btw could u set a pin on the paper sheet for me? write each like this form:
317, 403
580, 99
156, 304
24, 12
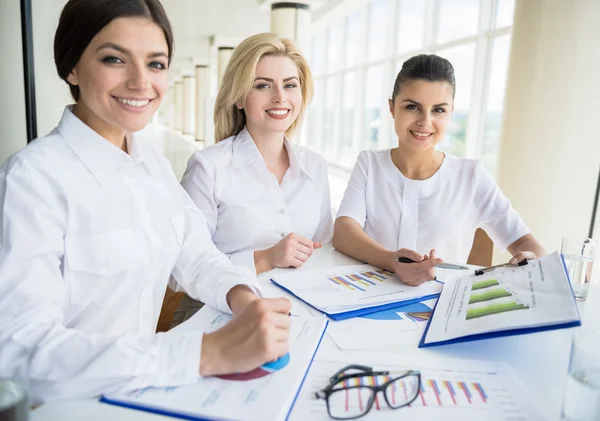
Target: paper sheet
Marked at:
403, 325
451, 390
342, 289
534, 295
264, 393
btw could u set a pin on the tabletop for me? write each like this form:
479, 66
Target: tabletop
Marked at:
539, 359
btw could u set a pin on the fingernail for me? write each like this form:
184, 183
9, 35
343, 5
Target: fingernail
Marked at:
290, 314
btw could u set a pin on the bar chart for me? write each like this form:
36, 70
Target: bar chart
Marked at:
492, 296
360, 281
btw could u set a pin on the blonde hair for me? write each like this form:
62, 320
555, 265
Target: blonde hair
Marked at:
238, 81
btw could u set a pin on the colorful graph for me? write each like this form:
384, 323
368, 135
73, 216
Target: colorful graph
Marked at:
361, 280
432, 392
489, 297
259, 372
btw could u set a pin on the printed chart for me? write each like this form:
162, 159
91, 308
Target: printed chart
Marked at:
492, 296
361, 280
450, 391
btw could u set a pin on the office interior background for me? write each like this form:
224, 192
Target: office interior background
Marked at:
526, 71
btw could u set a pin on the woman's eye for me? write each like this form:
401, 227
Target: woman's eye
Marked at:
411, 107
440, 110
290, 86
262, 86
112, 60
158, 65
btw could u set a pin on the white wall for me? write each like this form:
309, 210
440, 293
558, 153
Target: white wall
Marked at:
550, 149
52, 94
13, 131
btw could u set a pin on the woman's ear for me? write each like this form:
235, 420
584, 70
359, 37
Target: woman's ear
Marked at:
391, 105
72, 78
239, 105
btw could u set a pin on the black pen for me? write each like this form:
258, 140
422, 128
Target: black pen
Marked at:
441, 265
488, 269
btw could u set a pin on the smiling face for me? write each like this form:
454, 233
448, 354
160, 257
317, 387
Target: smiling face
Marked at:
421, 113
122, 77
275, 100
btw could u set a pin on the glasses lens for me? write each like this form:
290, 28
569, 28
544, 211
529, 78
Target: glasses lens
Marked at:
402, 391
351, 402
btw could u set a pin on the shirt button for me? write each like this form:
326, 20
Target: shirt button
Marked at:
130, 182
282, 235
282, 211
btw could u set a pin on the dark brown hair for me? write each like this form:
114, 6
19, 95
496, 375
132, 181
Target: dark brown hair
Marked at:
427, 67
81, 20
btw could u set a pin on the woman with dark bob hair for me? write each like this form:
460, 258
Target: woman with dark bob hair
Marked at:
416, 202
94, 224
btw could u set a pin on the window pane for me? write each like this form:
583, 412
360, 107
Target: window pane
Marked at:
458, 19
347, 118
411, 25
463, 60
378, 14
329, 116
374, 96
317, 56
495, 102
355, 36
335, 45
505, 13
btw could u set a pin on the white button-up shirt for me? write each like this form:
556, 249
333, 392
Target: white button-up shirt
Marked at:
90, 236
441, 212
244, 205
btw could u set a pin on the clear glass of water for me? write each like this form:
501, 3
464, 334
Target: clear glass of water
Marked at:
582, 395
579, 257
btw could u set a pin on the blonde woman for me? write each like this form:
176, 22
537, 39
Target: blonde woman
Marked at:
265, 199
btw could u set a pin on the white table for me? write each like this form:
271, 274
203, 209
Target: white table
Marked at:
540, 359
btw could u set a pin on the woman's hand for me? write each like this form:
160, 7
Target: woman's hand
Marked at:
292, 251
520, 256
257, 335
421, 271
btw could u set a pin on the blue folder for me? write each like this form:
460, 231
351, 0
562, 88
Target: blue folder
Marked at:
367, 310
185, 416
502, 333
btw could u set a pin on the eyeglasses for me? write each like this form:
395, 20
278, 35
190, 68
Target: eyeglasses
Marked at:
353, 390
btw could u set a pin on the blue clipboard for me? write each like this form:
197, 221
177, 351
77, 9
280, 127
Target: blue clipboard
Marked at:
367, 310
187, 416
502, 333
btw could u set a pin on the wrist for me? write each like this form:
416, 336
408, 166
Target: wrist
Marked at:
239, 297
262, 261
210, 355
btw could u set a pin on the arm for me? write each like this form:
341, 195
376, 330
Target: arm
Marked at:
526, 247
59, 361
324, 231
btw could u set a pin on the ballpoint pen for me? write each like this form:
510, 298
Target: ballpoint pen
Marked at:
488, 269
441, 265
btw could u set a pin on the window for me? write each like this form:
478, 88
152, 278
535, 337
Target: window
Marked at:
356, 57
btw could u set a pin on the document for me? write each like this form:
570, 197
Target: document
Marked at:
402, 325
264, 393
451, 390
506, 301
349, 291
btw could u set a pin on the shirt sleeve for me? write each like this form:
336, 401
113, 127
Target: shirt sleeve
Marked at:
324, 231
199, 181
354, 202
202, 270
495, 213
36, 344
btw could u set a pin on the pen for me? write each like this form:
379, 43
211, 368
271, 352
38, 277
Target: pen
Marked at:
488, 269
441, 265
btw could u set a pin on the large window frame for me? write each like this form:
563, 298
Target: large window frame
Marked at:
333, 148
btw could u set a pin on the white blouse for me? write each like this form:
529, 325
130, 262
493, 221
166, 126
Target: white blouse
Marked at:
245, 207
441, 212
90, 236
